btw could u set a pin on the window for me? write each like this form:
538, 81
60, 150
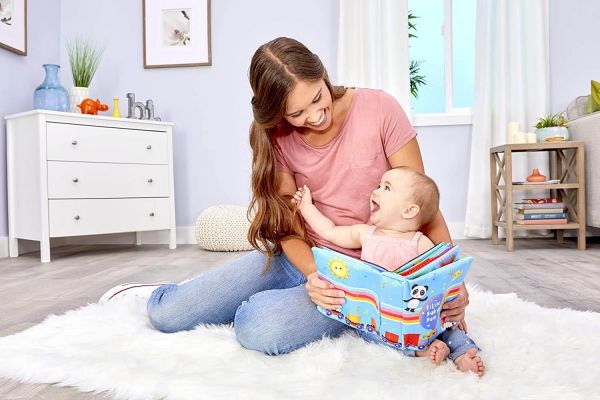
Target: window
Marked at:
445, 50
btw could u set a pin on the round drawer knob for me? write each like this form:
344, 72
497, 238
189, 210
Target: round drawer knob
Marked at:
149, 147
150, 180
75, 180
76, 218
152, 214
74, 142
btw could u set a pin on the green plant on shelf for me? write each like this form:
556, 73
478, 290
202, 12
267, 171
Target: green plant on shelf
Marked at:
551, 120
84, 58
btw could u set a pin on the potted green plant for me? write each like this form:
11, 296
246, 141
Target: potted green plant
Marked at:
552, 127
84, 58
414, 67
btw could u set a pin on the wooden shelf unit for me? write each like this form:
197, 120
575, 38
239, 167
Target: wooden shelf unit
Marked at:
570, 170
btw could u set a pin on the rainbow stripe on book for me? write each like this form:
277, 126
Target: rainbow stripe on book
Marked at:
392, 313
402, 311
357, 294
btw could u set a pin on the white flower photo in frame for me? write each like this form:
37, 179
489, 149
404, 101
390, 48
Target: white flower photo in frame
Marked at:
13, 26
176, 33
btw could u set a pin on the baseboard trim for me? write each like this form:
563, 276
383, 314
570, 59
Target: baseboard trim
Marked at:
3, 246
28, 246
185, 235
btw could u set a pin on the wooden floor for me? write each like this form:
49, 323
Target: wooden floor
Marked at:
538, 270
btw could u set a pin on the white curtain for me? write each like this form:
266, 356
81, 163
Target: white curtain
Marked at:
511, 84
373, 46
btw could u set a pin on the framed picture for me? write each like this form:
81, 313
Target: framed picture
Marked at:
176, 33
13, 26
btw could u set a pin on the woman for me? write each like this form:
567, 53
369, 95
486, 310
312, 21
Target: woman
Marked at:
305, 131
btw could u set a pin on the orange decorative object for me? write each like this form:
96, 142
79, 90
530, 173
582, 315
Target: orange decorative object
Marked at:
89, 106
536, 176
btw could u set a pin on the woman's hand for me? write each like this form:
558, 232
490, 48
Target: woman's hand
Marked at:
322, 293
454, 311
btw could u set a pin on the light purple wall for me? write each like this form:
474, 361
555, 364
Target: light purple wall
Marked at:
446, 151
20, 75
210, 106
574, 50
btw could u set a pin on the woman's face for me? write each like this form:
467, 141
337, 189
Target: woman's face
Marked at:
309, 105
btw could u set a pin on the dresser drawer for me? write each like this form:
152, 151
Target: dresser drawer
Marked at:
96, 216
77, 180
66, 142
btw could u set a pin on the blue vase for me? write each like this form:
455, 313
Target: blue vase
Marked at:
51, 95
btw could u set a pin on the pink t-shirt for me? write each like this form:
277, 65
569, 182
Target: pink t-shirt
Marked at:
342, 173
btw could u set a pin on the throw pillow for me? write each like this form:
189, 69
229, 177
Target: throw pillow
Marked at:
594, 99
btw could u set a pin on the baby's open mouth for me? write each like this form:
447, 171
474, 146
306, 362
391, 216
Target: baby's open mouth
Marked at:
374, 206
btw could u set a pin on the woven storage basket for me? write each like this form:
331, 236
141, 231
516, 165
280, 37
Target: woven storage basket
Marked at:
223, 228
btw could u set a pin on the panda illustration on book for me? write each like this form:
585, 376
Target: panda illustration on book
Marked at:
418, 293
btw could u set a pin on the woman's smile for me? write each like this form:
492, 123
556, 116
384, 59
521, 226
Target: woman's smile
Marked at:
321, 121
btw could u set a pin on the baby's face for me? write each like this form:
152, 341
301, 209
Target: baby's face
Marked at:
391, 198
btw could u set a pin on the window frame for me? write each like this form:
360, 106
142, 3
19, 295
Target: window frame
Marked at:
452, 115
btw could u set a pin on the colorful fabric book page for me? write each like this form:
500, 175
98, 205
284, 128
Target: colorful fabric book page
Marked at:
410, 319
400, 311
447, 253
439, 248
360, 281
449, 256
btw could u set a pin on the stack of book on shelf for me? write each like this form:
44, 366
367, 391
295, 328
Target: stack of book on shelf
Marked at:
540, 212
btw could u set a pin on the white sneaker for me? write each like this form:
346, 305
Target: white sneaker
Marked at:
143, 290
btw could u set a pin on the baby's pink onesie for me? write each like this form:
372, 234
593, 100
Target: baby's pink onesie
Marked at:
389, 252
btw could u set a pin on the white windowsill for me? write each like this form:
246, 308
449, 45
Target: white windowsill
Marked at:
445, 119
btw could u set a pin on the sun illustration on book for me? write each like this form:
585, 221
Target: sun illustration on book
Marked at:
339, 268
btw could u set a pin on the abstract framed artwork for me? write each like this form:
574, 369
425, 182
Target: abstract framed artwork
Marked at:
176, 33
13, 26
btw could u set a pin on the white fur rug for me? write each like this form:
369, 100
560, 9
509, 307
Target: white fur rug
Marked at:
530, 353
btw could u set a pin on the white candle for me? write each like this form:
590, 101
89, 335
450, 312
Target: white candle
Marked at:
512, 130
520, 137
531, 137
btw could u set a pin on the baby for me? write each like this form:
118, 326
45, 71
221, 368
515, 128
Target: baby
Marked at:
404, 201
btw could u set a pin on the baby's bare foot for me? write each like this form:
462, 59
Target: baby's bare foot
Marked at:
470, 361
438, 352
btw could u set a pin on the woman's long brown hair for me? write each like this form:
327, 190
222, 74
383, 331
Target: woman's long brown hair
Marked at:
274, 70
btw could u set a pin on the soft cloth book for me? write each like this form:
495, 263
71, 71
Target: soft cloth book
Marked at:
401, 308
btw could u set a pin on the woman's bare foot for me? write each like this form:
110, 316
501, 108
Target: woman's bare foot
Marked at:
437, 352
470, 361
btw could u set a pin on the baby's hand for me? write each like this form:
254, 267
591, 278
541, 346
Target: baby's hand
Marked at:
303, 197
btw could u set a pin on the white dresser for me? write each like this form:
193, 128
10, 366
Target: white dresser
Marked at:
73, 174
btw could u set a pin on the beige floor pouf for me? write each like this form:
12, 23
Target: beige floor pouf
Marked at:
223, 228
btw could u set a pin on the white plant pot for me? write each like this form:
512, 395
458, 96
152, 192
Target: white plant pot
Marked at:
552, 132
77, 94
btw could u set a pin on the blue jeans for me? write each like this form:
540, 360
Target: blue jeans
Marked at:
457, 341
271, 312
